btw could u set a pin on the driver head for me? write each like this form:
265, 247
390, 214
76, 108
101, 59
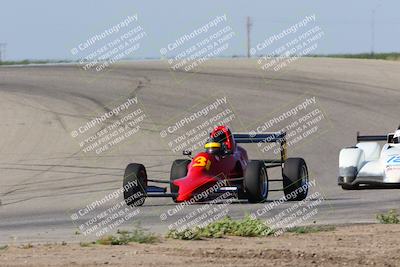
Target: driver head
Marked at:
214, 148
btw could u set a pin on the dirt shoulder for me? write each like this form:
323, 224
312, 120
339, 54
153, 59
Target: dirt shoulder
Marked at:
356, 245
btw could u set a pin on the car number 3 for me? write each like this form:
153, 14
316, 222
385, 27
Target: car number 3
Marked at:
202, 162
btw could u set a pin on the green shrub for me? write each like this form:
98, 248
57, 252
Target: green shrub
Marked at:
85, 244
247, 227
138, 235
390, 217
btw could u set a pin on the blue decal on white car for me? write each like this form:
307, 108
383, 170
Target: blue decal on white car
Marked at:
394, 160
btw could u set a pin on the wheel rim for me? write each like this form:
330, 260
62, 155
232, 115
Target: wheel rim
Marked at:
264, 183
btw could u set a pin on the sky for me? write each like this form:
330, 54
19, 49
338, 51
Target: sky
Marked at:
48, 29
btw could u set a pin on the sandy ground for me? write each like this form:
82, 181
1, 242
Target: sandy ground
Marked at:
356, 245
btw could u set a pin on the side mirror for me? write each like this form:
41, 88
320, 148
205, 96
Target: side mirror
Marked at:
187, 153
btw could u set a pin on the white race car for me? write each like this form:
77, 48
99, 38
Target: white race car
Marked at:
367, 165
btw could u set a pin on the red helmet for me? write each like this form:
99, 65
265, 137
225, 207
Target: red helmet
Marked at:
222, 134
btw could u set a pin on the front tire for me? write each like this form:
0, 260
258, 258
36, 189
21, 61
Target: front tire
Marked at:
295, 176
349, 187
256, 181
135, 184
179, 169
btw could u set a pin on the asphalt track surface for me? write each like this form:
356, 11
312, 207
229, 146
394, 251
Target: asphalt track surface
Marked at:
45, 176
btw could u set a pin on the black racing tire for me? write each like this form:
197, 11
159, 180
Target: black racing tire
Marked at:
135, 184
349, 187
295, 176
256, 181
179, 169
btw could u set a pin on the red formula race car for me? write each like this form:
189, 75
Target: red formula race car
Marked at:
223, 167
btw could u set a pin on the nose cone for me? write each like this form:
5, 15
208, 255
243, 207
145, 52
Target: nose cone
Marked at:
191, 184
199, 175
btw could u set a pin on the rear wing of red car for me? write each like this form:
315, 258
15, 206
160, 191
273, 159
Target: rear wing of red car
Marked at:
273, 137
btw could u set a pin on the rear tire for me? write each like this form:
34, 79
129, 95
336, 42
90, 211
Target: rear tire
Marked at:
135, 184
179, 169
256, 181
295, 176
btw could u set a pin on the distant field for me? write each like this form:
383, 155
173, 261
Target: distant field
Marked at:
27, 61
384, 56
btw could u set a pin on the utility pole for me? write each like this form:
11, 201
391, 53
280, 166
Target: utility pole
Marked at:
3, 51
249, 24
